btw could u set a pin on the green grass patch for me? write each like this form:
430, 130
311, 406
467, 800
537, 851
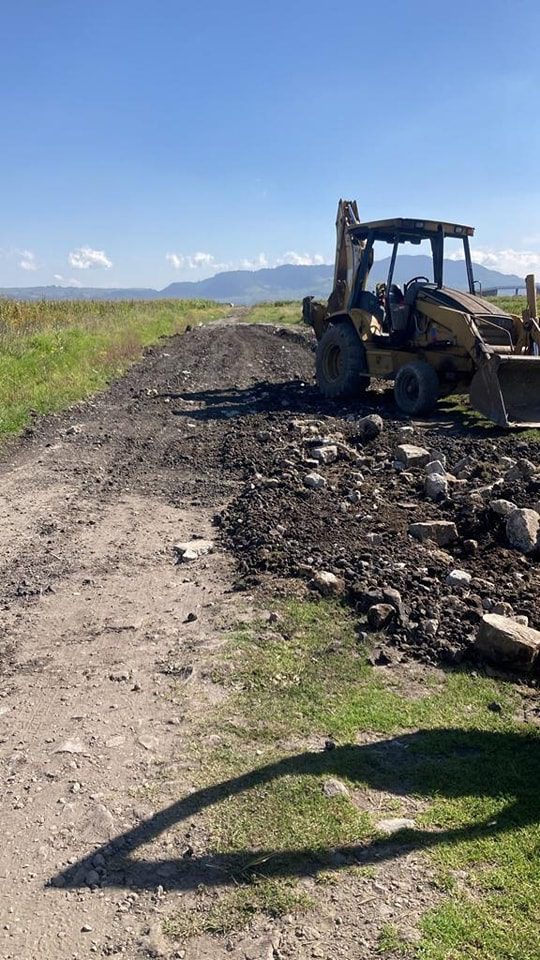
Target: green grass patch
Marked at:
278, 312
393, 942
233, 910
473, 776
55, 354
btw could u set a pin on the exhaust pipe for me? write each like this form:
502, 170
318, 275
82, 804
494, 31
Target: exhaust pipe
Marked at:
506, 389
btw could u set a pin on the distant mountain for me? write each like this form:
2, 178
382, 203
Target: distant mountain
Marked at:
288, 282
78, 293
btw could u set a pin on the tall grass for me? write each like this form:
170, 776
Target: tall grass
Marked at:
53, 354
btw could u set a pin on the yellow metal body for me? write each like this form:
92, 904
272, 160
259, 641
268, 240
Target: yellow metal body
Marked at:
469, 342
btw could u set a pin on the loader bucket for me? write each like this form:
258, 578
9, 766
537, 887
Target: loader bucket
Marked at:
506, 389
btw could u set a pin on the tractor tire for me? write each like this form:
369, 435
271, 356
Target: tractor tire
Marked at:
416, 388
341, 362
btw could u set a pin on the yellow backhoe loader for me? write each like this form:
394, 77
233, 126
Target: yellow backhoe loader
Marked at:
429, 339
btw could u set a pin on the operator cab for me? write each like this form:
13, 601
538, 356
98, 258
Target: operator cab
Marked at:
392, 304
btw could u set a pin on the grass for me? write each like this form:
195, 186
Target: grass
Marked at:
233, 910
279, 312
55, 354
471, 776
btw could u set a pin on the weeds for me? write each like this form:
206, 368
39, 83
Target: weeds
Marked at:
54, 354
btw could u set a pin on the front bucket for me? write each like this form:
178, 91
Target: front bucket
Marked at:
506, 389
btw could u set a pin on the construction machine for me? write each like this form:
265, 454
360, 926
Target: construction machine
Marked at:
431, 340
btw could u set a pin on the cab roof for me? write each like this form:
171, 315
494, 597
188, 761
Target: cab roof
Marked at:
412, 231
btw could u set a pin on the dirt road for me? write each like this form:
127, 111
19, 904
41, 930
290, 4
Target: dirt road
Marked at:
104, 636
107, 641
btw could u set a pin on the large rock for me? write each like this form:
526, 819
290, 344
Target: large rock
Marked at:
314, 480
435, 466
412, 456
380, 615
522, 529
327, 583
334, 788
326, 454
370, 427
442, 532
458, 578
523, 470
436, 486
193, 549
505, 641
503, 508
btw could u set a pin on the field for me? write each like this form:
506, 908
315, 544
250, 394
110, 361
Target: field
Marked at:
207, 759
53, 354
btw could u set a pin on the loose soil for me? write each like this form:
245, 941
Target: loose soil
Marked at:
104, 672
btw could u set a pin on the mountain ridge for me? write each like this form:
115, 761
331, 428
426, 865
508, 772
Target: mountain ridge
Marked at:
286, 282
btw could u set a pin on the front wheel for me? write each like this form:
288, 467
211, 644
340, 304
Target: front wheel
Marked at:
341, 362
416, 388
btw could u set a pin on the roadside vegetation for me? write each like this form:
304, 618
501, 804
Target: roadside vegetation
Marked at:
53, 354
277, 311
448, 750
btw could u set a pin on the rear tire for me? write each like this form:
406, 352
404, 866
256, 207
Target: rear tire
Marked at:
416, 388
341, 362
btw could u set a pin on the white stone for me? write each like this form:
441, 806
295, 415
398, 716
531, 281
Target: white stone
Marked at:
504, 639
325, 454
314, 480
458, 578
522, 529
394, 824
327, 583
436, 486
412, 456
335, 788
193, 549
442, 532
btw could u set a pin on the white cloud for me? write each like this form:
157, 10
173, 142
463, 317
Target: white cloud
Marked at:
176, 260
255, 263
301, 259
28, 260
84, 258
519, 262
207, 262
199, 260
195, 261
66, 281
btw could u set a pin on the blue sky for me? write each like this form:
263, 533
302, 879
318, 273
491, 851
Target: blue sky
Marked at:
148, 142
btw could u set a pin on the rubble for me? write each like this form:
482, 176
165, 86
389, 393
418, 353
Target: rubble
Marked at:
373, 527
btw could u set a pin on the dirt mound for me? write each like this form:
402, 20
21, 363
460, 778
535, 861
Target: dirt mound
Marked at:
229, 414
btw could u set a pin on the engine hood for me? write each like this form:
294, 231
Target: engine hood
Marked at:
459, 300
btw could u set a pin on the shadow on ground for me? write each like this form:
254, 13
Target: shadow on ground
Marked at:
433, 763
298, 396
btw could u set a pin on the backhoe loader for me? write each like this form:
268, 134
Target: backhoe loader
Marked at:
429, 339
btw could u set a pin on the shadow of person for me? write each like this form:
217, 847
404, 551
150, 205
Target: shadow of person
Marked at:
449, 763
